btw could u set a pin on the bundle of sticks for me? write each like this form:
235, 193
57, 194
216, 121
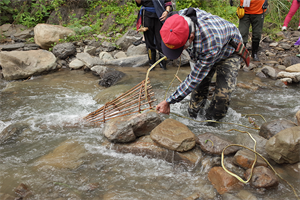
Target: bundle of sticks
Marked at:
135, 100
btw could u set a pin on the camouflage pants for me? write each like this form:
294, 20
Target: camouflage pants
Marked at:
226, 71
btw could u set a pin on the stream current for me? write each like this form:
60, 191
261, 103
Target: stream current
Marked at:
50, 101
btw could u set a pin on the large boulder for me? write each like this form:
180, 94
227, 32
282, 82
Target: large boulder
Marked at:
173, 135
128, 128
269, 129
23, 64
46, 35
284, 147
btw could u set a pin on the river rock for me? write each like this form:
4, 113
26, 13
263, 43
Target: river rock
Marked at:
298, 117
295, 76
262, 177
284, 147
293, 68
45, 35
89, 60
222, 181
23, 191
64, 50
247, 141
127, 128
132, 61
269, 129
23, 64
246, 158
109, 76
105, 56
136, 50
11, 47
76, 64
12, 131
231, 166
120, 54
212, 144
290, 60
68, 155
90, 50
269, 71
174, 135
144, 146
126, 40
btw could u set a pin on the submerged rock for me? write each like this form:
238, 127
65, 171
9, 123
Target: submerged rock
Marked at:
12, 131
68, 155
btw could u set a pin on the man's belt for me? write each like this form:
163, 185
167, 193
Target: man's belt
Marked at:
241, 50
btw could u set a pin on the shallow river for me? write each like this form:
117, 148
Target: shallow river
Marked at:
50, 101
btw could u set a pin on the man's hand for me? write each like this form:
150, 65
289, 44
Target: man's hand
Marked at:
163, 107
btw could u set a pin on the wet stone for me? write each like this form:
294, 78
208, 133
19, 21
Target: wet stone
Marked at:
213, 144
262, 177
222, 181
146, 147
173, 135
269, 129
246, 158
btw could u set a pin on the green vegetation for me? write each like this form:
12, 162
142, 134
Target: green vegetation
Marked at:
117, 16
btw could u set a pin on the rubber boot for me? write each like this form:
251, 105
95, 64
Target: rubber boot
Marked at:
163, 63
151, 57
255, 46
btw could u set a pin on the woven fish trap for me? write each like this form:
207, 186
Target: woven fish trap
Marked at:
135, 100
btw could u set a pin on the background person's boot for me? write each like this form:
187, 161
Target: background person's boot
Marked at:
151, 56
255, 46
163, 63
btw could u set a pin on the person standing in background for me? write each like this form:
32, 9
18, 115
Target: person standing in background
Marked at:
294, 7
254, 16
154, 13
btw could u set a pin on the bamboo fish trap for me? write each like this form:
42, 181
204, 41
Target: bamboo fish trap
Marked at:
134, 100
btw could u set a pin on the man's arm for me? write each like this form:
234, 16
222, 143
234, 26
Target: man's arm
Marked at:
138, 1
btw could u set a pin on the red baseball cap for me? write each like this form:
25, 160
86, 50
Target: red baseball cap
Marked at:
174, 34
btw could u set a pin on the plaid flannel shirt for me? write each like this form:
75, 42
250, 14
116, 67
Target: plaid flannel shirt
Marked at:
210, 46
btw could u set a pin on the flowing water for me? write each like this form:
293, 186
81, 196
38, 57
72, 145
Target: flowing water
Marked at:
48, 102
